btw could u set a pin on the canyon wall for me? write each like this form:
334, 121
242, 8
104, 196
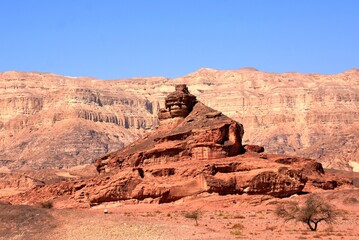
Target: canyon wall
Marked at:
47, 120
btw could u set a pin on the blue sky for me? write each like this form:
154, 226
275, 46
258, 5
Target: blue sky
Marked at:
118, 39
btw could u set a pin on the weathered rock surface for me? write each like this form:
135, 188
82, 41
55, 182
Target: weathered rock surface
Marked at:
18, 181
178, 104
195, 137
307, 115
186, 156
160, 183
310, 115
50, 121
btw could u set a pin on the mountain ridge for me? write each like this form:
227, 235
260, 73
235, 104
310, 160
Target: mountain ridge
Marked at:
286, 113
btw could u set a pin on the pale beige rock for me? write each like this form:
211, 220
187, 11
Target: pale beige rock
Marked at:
49, 120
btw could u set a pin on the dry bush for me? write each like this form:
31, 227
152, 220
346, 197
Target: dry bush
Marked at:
314, 211
47, 204
235, 232
237, 229
239, 216
271, 228
193, 215
238, 226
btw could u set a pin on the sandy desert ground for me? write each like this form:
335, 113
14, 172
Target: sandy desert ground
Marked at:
221, 217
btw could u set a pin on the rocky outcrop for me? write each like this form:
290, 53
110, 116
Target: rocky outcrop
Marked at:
19, 181
222, 177
201, 134
248, 173
308, 115
178, 104
185, 156
254, 148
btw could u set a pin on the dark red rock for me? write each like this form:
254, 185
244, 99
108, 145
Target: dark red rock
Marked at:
178, 104
254, 148
195, 138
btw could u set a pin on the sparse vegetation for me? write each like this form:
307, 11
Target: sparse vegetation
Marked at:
237, 229
220, 214
314, 211
238, 226
239, 216
271, 228
148, 214
235, 232
47, 204
195, 215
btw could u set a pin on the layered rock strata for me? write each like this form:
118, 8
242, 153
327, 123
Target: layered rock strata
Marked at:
193, 132
51, 121
198, 153
309, 115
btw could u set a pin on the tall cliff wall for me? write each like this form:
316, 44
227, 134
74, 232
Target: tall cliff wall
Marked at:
47, 120
309, 115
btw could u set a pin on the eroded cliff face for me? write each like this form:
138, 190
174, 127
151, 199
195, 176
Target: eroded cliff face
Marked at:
51, 120
195, 150
309, 115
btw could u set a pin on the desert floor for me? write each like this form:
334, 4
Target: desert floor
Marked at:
221, 217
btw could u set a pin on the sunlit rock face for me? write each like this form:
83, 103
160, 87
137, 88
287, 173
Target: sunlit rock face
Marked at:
47, 120
51, 121
200, 152
308, 115
197, 133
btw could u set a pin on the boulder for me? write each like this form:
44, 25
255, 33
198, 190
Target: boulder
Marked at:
254, 148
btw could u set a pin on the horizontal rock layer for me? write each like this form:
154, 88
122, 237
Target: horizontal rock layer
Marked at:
249, 173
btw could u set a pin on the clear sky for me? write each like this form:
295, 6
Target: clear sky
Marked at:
118, 39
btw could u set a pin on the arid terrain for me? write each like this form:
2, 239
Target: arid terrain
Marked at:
52, 121
221, 217
90, 159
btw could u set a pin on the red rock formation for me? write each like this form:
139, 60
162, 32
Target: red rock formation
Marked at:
178, 104
254, 148
201, 134
185, 156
